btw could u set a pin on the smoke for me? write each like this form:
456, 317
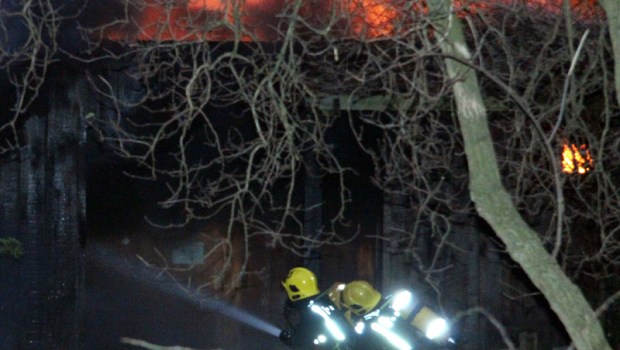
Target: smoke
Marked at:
136, 270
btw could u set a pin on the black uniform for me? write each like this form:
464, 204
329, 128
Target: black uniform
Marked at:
306, 325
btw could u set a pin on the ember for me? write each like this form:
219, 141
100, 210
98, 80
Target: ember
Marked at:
576, 159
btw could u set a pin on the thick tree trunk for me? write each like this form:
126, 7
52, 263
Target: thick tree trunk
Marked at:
494, 203
612, 8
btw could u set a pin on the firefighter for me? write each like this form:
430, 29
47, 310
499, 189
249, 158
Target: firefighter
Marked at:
409, 319
359, 298
305, 311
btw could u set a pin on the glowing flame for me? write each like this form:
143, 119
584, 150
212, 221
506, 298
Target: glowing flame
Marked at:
372, 18
208, 5
196, 20
576, 159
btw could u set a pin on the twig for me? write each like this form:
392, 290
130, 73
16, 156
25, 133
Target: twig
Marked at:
565, 91
147, 345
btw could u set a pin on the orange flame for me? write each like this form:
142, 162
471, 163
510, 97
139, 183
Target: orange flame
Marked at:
372, 18
195, 20
209, 5
576, 159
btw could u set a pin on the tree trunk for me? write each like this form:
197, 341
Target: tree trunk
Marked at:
612, 8
494, 203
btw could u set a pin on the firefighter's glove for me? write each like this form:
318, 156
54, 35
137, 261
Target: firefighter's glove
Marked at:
286, 337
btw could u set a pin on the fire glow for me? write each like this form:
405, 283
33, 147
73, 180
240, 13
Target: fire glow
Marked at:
258, 20
576, 159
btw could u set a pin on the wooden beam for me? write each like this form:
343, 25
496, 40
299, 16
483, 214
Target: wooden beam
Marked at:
383, 103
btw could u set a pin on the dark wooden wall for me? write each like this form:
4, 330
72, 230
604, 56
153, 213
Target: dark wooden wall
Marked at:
42, 204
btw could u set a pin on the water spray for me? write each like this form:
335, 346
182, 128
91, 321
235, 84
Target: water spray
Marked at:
136, 270
240, 315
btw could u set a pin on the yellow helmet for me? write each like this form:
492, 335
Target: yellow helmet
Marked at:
300, 283
360, 297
